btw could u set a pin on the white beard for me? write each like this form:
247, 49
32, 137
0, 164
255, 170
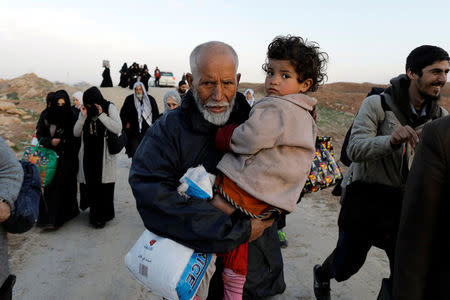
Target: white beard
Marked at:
216, 119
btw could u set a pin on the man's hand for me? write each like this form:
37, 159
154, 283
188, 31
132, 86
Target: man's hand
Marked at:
405, 134
258, 227
127, 126
5, 211
55, 142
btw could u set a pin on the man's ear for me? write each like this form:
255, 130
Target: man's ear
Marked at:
411, 75
238, 79
190, 80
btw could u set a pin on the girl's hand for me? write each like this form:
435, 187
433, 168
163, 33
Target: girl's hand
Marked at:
100, 110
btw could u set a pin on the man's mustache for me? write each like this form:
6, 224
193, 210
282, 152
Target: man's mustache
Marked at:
212, 103
438, 83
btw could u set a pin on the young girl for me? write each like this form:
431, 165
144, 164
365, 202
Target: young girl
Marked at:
273, 150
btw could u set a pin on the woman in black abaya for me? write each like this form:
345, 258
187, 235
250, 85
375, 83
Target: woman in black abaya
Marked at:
107, 81
124, 76
145, 77
97, 169
55, 131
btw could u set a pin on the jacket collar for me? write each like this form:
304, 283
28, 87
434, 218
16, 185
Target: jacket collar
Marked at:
399, 91
301, 100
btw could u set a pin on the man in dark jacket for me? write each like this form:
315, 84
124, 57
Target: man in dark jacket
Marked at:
138, 113
184, 138
381, 148
422, 268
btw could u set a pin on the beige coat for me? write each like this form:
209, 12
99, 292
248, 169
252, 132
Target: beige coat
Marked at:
112, 123
273, 150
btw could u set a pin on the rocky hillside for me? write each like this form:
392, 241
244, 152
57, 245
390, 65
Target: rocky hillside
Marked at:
21, 101
28, 87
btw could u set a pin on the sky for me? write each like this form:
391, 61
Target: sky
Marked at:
66, 41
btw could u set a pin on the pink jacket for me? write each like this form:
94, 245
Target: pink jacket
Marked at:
273, 150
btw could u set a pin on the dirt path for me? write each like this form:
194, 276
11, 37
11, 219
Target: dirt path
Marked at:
79, 262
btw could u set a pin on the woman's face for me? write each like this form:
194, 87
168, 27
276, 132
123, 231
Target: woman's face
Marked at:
172, 104
249, 96
61, 102
76, 102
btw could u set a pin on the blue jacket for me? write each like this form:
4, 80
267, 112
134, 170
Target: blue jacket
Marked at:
180, 140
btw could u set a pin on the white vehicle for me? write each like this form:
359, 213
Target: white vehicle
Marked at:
167, 79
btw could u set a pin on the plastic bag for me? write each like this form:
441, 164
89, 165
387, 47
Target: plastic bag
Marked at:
45, 159
165, 267
197, 182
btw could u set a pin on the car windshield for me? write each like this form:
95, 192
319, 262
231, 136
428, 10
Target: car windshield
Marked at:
167, 74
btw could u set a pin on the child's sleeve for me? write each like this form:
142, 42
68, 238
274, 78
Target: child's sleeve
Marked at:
262, 130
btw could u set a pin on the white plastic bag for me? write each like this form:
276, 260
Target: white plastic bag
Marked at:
166, 267
197, 182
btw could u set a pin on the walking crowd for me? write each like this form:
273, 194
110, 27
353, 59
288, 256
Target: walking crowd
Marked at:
260, 152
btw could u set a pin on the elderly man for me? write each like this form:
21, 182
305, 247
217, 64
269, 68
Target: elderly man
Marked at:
138, 113
184, 139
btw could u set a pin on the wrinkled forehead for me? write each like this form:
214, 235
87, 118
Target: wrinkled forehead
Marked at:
212, 64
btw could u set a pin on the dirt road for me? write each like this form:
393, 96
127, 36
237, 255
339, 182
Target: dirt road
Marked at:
79, 262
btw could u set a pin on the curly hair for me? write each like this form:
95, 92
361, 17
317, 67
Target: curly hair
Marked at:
305, 56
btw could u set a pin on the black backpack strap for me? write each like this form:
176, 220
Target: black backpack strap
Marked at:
384, 105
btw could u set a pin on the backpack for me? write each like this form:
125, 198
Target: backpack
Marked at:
373, 91
26, 207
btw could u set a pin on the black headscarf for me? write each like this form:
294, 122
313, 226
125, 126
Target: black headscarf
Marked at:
61, 116
124, 68
49, 98
91, 97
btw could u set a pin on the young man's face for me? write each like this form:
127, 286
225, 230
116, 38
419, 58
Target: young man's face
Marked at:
183, 88
433, 79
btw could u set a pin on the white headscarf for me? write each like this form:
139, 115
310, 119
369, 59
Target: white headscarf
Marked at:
252, 100
171, 94
144, 110
79, 97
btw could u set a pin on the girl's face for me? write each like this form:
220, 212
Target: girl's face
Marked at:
281, 79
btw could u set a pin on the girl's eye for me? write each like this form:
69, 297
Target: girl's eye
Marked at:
285, 76
269, 73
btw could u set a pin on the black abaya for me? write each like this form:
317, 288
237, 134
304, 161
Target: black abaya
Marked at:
144, 79
107, 81
124, 76
97, 195
59, 203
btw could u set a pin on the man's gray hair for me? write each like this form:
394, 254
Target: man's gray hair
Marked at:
193, 58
